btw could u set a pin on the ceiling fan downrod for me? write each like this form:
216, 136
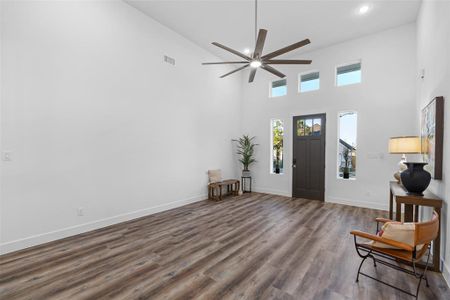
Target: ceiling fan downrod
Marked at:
256, 20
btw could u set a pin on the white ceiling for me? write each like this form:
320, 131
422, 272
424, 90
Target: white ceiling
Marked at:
232, 22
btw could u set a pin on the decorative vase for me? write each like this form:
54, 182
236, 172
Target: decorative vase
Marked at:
415, 179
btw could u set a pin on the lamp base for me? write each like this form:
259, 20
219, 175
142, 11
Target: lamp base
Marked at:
397, 177
401, 167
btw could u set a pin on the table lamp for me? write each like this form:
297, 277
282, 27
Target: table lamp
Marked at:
411, 174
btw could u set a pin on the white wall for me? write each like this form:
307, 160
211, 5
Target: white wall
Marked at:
384, 102
433, 55
94, 118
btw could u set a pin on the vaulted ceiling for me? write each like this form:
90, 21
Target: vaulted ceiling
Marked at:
232, 22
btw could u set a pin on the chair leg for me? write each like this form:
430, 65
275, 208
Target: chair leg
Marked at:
418, 287
359, 269
364, 257
374, 262
423, 275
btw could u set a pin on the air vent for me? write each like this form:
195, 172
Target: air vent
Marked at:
169, 60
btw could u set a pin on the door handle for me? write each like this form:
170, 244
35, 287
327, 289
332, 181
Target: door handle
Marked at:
294, 163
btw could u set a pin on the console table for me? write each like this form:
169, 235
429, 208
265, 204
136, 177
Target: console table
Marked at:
411, 204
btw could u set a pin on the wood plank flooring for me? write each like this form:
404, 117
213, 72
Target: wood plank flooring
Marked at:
254, 246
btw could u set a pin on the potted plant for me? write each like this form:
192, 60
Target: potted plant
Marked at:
277, 160
347, 156
246, 149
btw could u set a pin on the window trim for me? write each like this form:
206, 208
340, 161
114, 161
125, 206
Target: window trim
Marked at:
271, 172
347, 64
337, 141
300, 81
270, 88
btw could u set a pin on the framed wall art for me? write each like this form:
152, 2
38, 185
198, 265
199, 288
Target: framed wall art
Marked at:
432, 136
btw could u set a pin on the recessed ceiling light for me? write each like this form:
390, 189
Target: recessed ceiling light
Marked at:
246, 51
364, 9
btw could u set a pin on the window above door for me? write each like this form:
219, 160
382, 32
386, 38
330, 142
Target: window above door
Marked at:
309, 127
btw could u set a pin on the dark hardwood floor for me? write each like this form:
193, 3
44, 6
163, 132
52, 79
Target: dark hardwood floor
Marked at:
254, 246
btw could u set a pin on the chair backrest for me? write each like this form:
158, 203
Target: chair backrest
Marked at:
427, 231
214, 175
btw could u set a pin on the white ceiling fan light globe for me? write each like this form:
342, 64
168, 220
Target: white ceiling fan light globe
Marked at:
255, 64
363, 9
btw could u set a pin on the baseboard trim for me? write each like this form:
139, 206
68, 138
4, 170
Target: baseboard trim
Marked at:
273, 192
446, 272
337, 200
373, 205
42, 238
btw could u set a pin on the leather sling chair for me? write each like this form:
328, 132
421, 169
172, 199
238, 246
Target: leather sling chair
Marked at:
424, 234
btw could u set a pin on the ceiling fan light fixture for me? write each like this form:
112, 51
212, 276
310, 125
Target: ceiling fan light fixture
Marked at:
256, 59
255, 64
364, 9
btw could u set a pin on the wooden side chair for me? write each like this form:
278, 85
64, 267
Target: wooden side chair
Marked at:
390, 252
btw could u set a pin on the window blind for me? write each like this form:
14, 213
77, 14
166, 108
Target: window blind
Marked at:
310, 76
349, 68
279, 83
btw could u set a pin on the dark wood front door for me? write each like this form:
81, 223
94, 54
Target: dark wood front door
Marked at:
308, 165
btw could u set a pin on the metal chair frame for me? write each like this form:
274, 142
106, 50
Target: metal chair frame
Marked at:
382, 258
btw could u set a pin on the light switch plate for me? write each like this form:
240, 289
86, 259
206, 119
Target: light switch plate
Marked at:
375, 155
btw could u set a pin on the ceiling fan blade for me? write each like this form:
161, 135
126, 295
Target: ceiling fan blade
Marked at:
252, 75
288, 62
273, 71
225, 62
286, 49
234, 71
260, 43
232, 51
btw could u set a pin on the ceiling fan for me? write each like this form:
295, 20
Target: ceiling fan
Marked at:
257, 60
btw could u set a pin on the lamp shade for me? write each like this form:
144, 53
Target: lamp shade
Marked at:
404, 145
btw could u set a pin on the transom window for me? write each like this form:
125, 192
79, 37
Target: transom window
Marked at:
348, 74
278, 88
309, 82
308, 127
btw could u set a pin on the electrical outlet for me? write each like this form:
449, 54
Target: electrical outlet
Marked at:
80, 211
6, 155
169, 60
